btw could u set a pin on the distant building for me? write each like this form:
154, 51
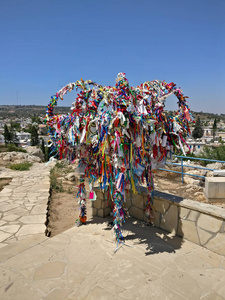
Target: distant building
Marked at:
208, 132
24, 138
221, 135
195, 146
2, 139
42, 129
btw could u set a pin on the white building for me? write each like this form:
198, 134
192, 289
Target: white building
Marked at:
195, 146
24, 138
2, 139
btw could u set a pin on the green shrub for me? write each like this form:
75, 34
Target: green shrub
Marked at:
21, 166
55, 184
217, 153
60, 165
11, 148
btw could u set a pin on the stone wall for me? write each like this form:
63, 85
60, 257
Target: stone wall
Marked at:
200, 223
102, 206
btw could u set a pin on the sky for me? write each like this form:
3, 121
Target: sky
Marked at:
45, 44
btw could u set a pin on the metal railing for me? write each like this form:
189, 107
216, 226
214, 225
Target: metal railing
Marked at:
182, 165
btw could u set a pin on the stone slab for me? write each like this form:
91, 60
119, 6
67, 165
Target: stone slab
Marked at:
188, 229
33, 219
31, 229
215, 187
161, 206
39, 209
52, 269
10, 228
11, 217
209, 223
81, 263
217, 244
4, 236
169, 219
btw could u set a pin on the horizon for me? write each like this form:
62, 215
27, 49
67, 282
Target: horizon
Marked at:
45, 46
68, 106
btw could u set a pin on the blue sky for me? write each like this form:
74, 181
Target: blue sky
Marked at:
46, 44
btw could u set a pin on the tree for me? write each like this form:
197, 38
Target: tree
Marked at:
47, 153
34, 136
221, 140
29, 129
7, 135
198, 132
35, 119
43, 146
15, 126
214, 128
15, 139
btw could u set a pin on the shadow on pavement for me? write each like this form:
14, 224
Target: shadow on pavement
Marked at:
136, 232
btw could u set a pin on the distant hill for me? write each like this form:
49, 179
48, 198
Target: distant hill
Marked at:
25, 111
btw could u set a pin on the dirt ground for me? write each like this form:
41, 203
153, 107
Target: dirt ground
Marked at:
64, 209
173, 187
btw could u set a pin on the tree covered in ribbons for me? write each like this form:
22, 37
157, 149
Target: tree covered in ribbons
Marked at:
120, 134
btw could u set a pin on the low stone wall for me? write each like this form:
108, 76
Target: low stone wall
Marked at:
102, 206
200, 223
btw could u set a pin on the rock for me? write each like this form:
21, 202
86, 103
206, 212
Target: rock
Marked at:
7, 157
35, 151
18, 157
71, 177
215, 166
191, 181
220, 173
209, 174
32, 158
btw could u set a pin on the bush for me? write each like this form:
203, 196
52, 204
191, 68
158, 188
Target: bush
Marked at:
11, 148
217, 153
55, 184
21, 166
60, 165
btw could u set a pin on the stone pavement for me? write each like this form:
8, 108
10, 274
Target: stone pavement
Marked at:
23, 203
81, 264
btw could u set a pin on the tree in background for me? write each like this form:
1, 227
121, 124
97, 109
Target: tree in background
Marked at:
34, 136
43, 146
15, 139
28, 129
198, 132
7, 135
36, 119
10, 136
47, 153
15, 126
221, 140
214, 128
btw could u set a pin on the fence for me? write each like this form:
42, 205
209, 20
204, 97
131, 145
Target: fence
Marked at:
182, 165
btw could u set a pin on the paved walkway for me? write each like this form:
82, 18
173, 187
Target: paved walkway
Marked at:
81, 263
23, 203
